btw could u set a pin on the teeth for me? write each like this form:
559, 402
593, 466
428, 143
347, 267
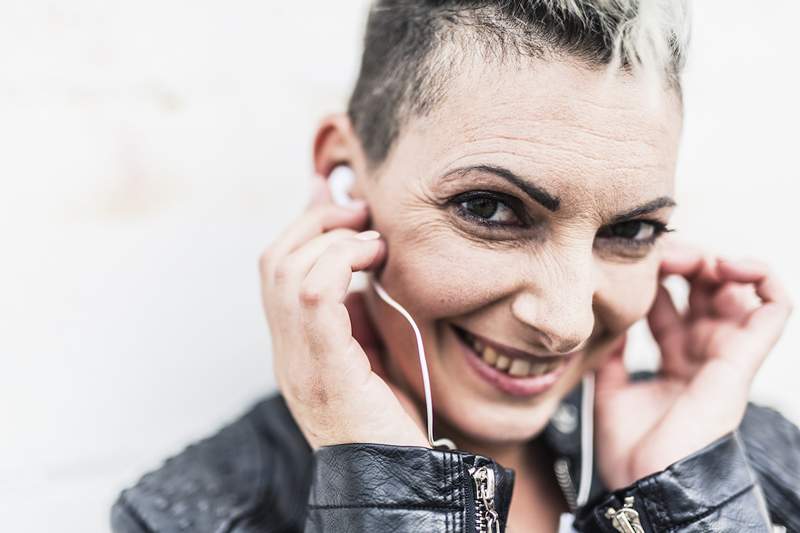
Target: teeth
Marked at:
519, 367
502, 363
489, 355
539, 368
512, 366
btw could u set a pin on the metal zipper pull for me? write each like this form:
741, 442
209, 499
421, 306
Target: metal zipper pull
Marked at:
626, 519
487, 519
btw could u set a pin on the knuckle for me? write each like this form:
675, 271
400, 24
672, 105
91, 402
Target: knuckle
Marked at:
310, 296
283, 272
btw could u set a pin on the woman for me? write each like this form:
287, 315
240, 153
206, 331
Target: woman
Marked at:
514, 165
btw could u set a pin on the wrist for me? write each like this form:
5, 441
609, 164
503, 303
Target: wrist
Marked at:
657, 458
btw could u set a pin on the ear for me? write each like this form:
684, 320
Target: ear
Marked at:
336, 143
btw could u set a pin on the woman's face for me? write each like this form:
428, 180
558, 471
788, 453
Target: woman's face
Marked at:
521, 217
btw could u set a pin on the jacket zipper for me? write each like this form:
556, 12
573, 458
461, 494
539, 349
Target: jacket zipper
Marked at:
564, 480
486, 518
625, 519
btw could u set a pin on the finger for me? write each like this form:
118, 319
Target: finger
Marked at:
767, 285
743, 270
764, 325
770, 318
698, 269
777, 303
689, 262
295, 266
669, 331
312, 223
320, 193
703, 283
284, 284
329, 278
323, 292
679, 258
701, 335
734, 301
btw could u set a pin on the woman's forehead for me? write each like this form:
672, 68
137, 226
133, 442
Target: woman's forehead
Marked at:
569, 126
554, 103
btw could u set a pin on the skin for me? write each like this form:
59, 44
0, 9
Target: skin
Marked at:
549, 281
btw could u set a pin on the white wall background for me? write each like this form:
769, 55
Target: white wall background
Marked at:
150, 149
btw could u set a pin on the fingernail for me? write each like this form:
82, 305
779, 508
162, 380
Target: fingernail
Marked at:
369, 235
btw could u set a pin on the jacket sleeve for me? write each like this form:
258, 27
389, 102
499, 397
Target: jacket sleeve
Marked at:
773, 450
125, 520
373, 487
714, 489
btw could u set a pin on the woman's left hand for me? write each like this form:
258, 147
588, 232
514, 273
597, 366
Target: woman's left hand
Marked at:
709, 356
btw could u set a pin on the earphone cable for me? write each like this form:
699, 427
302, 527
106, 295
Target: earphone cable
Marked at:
423, 364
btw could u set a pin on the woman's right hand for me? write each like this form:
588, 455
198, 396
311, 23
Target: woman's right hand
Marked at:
325, 376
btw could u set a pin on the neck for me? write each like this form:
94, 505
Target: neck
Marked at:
528, 457
535, 483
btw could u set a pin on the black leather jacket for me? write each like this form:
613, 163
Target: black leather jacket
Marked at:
259, 475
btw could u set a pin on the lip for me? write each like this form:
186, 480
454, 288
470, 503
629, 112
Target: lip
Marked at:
513, 386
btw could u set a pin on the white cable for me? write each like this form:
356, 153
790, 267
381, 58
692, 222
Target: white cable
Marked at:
587, 439
423, 364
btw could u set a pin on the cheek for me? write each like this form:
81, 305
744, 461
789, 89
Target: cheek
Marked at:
440, 275
627, 294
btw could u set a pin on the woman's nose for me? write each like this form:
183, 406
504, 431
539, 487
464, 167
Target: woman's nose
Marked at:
558, 308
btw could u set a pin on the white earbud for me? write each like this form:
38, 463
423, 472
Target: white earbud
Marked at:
340, 182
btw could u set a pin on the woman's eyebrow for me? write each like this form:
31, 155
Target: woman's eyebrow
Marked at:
653, 205
552, 202
536, 193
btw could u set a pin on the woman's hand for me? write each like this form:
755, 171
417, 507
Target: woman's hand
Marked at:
709, 356
325, 375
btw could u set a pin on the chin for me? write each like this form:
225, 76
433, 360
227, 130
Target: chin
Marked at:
489, 423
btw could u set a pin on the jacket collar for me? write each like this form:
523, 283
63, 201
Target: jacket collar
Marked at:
562, 436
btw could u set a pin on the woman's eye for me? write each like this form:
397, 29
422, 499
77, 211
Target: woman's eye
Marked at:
636, 232
488, 210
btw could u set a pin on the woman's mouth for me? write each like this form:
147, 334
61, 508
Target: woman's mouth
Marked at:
514, 372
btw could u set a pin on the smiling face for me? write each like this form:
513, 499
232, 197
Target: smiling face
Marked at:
521, 216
